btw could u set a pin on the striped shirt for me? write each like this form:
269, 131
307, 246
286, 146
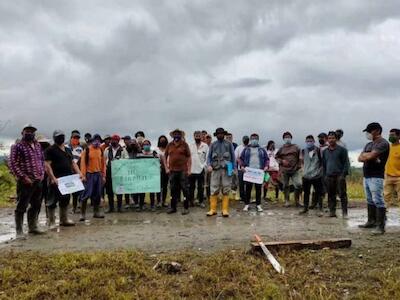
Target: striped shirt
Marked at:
27, 161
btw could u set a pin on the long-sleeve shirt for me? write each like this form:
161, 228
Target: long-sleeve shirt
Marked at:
96, 162
291, 154
177, 156
335, 161
27, 160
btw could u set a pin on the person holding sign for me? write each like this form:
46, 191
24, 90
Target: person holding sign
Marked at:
113, 152
59, 163
93, 168
221, 164
177, 156
254, 157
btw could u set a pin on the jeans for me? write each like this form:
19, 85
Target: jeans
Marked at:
373, 188
336, 185
318, 188
249, 187
199, 178
178, 183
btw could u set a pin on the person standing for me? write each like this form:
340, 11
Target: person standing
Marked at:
198, 153
312, 174
392, 168
221, 165
288, 157
59, 163
374, 157
113, 152
177, 156
254, 157
93, 169
238, 153
106, 142
76, 149
26, 163
162, 196
336, 166
339, 141
273, 170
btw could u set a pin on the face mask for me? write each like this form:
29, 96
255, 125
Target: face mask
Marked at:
310, 145
177, 138
321, 142
254, 143
29, 137
114, 144
197, 141
163, 143
59, 140
287, 141
146, 148
368, 136
96, 144
392, 139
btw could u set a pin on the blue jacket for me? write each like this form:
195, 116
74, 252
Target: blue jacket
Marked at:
262, 154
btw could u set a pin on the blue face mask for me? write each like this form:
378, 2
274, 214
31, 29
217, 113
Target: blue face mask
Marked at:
310, 145
254, 142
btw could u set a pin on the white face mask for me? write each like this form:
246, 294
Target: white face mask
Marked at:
368, 136
287, 141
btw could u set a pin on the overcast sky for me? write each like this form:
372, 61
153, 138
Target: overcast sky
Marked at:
249, 66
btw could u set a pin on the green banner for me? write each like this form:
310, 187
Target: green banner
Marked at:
131, 176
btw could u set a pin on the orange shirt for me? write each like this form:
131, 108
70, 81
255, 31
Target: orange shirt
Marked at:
96, 162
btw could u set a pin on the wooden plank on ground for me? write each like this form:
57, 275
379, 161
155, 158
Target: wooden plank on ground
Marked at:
304, 244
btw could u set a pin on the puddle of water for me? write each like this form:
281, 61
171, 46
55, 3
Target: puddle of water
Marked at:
6, 237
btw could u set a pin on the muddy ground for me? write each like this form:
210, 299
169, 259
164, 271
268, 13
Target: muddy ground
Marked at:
159, 232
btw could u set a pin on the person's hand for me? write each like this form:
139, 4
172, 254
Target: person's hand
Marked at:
209, 169
83, 178
103, 178
54, 181
27, 181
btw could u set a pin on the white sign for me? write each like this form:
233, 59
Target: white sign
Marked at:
254, 175
70, 184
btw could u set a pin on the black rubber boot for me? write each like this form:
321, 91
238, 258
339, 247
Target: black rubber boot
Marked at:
83, 210
380, 221
33, 222
371, 222
110, 205
19, 222
297, 194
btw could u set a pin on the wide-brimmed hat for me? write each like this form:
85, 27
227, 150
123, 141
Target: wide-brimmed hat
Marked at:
177, 130
42, 139
219, 131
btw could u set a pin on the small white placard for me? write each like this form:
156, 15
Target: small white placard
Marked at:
70, 184
254, 175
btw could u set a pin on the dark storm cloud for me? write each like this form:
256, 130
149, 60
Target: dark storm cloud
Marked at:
263, 66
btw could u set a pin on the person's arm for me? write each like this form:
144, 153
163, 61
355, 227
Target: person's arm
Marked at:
15, 169
366, 156
76, 170
233, 159
209, 156
49, 171
189, 160
241, 159
278, 156
266, 158
346, 162
103, 167
83, 165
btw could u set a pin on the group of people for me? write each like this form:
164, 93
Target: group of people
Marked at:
213, 168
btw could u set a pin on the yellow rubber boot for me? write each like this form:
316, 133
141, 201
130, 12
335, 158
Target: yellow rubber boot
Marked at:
213, 205
225, 206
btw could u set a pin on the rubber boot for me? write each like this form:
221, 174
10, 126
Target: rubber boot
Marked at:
33, 222
64, 221
97, 213
19, 222
51, 218
225, 206
371, 222
110, 205
83, 210
213, 206
380, 221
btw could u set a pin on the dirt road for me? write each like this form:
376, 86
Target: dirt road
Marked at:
159, 232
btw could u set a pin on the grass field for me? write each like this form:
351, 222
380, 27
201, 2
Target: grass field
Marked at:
326, 274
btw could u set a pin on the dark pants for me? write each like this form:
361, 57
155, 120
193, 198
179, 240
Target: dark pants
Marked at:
249, 187
93, 187
336, 185
75, 197
178, 183
54, 196
110, 192
139, 199
199, 178
29, 195
318, 189
242, 186
162, 196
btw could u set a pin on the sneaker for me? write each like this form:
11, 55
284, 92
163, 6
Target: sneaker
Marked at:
259, 208
246, 208
202, 205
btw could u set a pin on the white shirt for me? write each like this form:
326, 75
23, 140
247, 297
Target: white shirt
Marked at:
199, 157
273, 164
238, 152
